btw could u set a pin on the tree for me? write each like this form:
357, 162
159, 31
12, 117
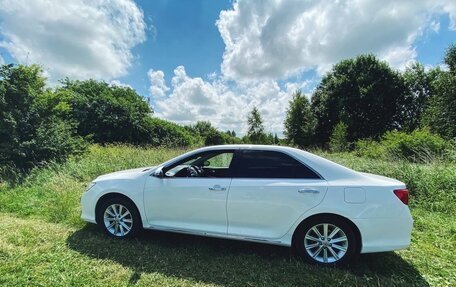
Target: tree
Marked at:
364, 93
33, 130
107, 113
168, 134
255, 132
441, 114
450, 57
214, 137
269, 139
300, 121
203, 128
418, 90
338, 141
209, 134
276, 139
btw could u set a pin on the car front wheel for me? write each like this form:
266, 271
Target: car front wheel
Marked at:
326, 241
119, 218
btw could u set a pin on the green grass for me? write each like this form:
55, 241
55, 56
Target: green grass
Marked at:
44, 243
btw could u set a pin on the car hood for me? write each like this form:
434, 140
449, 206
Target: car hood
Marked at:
126, 174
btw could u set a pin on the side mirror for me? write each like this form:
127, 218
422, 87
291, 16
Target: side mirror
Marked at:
158, 173
206, 163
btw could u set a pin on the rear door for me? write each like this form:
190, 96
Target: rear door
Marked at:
269, 191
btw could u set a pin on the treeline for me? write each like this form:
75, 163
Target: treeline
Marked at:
362, 104
359, 104
39, 124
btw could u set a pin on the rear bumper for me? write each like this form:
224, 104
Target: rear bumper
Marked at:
385, 234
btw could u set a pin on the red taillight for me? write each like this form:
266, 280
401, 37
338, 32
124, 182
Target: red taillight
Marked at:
403, 195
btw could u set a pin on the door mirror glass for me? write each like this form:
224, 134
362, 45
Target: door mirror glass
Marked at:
206, 163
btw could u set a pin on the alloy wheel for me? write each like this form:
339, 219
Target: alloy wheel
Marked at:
326, 243
118, 220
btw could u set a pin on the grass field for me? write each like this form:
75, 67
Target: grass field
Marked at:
44, 243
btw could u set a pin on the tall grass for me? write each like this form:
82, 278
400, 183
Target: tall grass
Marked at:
53, 192
432, 185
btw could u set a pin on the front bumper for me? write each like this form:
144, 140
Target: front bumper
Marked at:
88, 202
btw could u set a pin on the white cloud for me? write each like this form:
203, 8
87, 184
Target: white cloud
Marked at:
435, 26
1, 60
118, 83
275, 39
224, 105
399, 57
158, 86
75, 38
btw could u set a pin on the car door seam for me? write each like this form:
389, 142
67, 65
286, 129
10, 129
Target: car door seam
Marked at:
226, 205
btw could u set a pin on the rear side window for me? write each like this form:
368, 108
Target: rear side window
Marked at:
271, 164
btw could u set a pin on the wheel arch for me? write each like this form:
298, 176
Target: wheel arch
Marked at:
111, 195
348, 221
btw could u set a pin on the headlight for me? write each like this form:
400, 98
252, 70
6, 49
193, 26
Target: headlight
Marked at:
89, 186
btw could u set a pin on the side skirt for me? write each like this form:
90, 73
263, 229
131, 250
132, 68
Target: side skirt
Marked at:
218, 235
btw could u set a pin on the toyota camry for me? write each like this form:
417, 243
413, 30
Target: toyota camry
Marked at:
326, 212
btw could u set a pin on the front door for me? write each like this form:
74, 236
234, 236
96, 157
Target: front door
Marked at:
192, 194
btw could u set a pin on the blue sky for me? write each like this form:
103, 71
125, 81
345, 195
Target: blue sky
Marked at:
183, 33
215, 60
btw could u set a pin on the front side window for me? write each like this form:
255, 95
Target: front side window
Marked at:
222, 160
271, 164
206, 164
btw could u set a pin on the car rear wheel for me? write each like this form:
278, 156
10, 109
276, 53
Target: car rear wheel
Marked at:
326, 241
119, 218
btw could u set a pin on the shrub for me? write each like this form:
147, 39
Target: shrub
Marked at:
369, 148
32, 129
162, 133
210, 135
419, 146
106, 113
214, 138
338, 141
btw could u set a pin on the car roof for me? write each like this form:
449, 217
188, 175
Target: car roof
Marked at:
327, 169
245, 146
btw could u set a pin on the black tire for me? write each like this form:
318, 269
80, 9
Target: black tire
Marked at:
133, 216
322, 246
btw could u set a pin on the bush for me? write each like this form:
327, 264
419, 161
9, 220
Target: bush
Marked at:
210, 135
162, 133
32, 129
369, 148
215, 137
106, 113
338, 141
419, 146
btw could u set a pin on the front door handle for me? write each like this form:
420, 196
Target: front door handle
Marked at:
308, 190
217, 188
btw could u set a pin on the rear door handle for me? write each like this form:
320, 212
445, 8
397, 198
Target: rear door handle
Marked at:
217, 188
308, 190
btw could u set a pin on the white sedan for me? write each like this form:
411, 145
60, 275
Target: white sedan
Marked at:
270, 194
